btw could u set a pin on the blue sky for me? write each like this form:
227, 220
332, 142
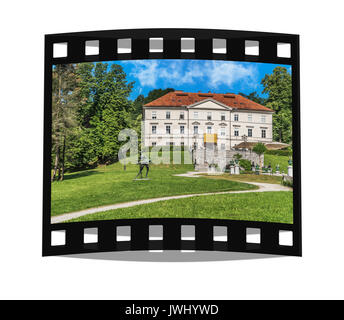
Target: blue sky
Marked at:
196, 75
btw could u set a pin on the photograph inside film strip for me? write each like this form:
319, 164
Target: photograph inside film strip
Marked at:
176, 139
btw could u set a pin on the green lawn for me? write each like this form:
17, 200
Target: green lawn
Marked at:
111, 184
274, 160
256, 206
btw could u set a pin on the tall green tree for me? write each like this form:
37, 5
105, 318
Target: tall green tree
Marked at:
253, 96
259, 149
104, 108
279, 87
64, 104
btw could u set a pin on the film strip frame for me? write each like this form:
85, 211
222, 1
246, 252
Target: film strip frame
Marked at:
203, 228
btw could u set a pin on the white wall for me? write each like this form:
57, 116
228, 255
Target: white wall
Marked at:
253, 120
25, 274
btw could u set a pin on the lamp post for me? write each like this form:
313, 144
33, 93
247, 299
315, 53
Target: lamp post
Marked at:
244, 137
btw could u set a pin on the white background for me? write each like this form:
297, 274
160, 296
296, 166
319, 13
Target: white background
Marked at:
25, 274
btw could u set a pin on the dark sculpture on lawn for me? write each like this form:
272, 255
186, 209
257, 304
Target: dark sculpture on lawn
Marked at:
144, 163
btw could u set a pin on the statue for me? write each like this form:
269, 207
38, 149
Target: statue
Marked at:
257, 169
144, 163
290, 168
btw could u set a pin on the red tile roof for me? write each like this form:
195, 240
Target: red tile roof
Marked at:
180, 99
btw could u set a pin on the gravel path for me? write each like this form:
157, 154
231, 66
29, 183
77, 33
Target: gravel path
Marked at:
263, 187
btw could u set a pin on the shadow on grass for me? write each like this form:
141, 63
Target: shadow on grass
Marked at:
81, 174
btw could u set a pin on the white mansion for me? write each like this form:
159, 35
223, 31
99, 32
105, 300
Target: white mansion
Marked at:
195, 119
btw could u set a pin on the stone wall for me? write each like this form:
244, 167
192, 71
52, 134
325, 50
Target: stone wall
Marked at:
204, 157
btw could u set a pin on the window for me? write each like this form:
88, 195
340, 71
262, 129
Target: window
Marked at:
249, 117
168, 129
181, 129
236, 117
169, 143
263, 133
223, 146
153, 144
236, 132
209, 116
195, 129
153, 114
153, 129
249, 132
223, 116
223, 131
263, 119
182, 144
181, 116
209, 129
195, 145
168, 115
195, 115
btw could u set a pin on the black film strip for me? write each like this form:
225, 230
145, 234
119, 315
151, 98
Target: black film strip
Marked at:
200, 44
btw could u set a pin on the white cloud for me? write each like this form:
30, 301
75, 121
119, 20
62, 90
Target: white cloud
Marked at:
178, 72
227, 73
146, 72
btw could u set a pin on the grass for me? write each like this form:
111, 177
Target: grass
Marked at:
111, 184
247, 178
256, 206
275, 160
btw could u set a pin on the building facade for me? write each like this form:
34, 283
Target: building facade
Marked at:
205, 119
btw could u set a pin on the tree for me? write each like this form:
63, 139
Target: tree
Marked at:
64, 99
259, 149
279, 87
105, 108
253, 96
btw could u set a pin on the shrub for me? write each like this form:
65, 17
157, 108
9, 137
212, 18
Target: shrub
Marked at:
246, 164
286, 152
237, 156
